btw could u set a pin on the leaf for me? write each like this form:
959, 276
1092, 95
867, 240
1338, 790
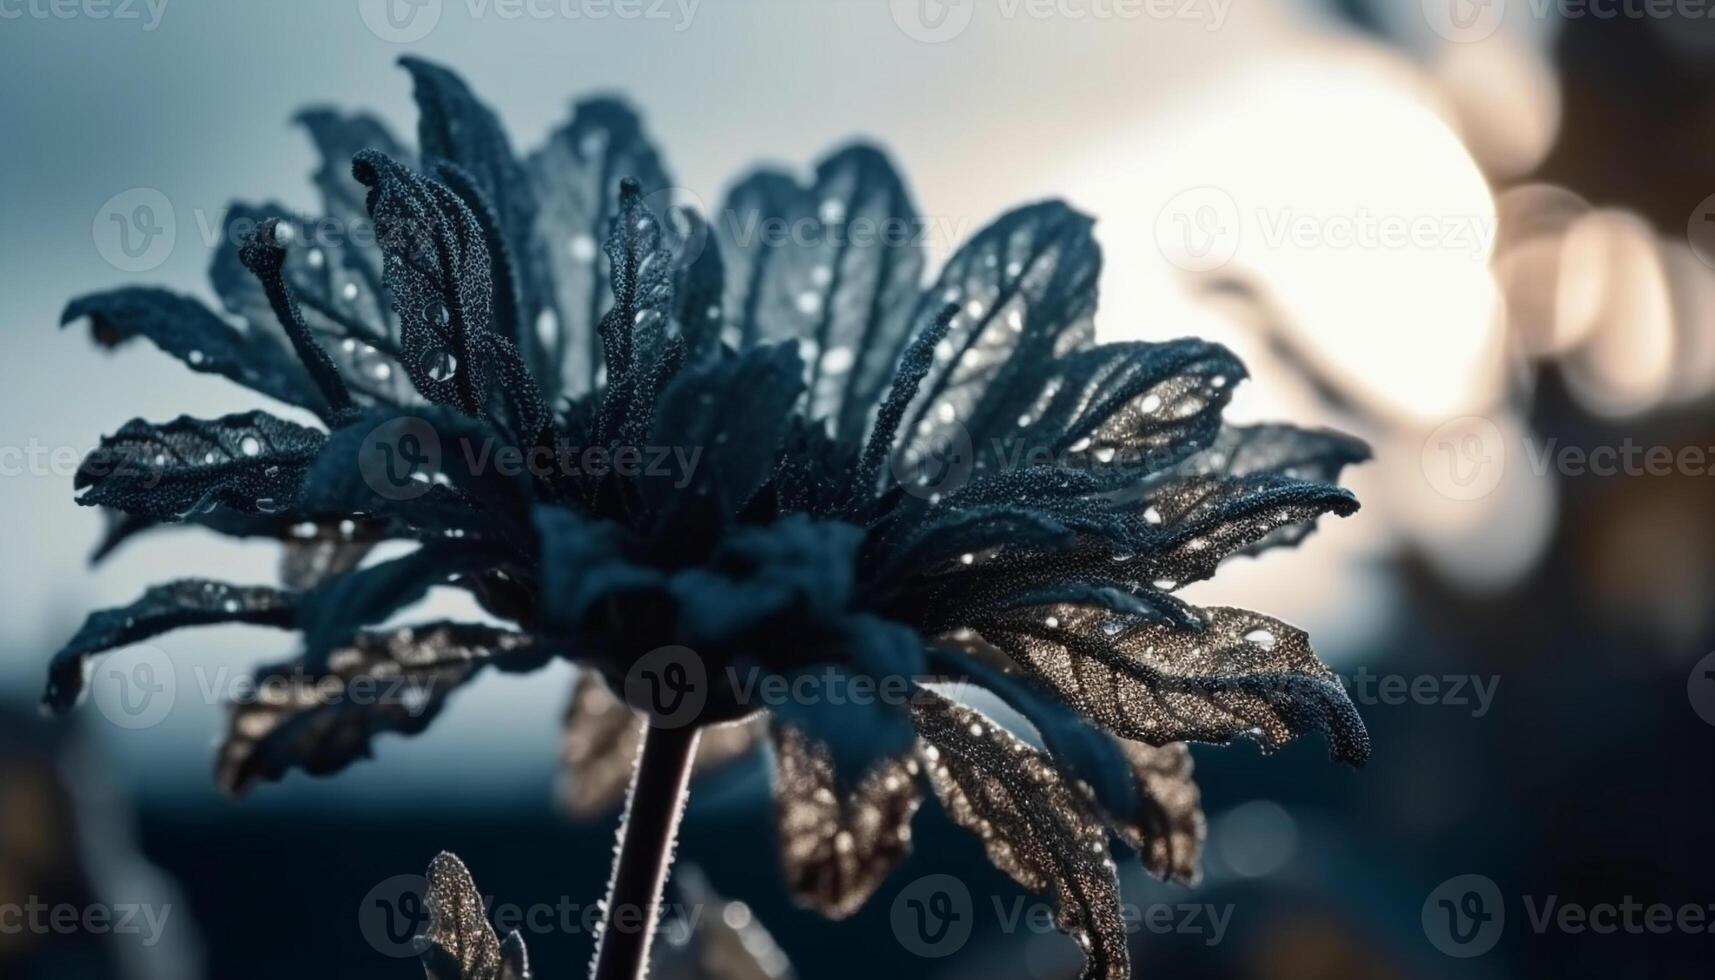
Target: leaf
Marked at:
453, 127
460, 944
598, 750
252, 463
322, 720
1120, 411
1168, 829
437, 268
161, 609
1026, 289
837, 849
914, 365
576, 177
1241, 675
1036, 827
192, 333
836, 266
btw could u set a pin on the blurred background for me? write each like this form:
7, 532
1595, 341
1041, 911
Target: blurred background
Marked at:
1479, 233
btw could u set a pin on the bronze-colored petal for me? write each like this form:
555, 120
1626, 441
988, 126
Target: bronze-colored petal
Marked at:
837, 850
322, 721
1169, 829
1035, 825
460, 944
1242, 674
599, 747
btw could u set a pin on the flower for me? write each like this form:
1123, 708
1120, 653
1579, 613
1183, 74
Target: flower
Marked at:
754, 450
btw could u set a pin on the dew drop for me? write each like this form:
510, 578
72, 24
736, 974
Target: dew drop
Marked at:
974, 308
821, 275
1014, 269
249, 445
832, 210
947, 413
547, 327
1165, 584
1150, 403
348, 292
1051, 622
1105, 454
440, 365
967, 558
1023, 420
1080, 445
582, 248
1112, 627
1151, 515
315, 258
809, 302
231, 605
1015, 321
1261, 637
283, 234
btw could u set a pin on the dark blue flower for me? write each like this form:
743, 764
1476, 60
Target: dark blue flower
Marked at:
758, 439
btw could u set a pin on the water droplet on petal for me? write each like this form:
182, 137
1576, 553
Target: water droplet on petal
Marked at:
1150, 403
582, 248
195, 357
315, 258
348, 292
832, 210
440, 365
1151, 515
249, 445
1261, 637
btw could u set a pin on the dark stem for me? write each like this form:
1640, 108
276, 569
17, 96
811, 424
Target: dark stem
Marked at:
646, 836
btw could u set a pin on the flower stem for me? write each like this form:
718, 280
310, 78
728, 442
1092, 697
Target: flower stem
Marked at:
646, 839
